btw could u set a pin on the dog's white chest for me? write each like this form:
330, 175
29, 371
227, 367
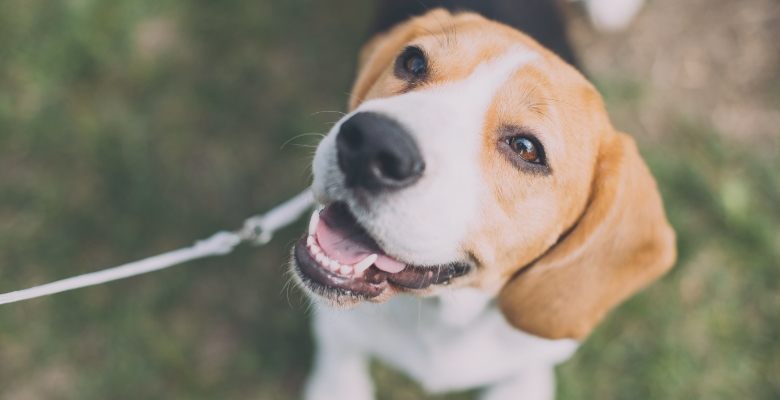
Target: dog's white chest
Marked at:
456, 341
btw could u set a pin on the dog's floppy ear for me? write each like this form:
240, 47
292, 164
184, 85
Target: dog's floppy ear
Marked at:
621, 242
364, 78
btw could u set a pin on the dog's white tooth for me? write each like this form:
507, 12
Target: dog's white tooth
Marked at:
319, 257
315, 219
334, 266
315, 249
345, 270
325, 261
365, 264
310, 240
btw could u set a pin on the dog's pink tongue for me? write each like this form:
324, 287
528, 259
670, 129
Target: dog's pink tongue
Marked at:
344, 245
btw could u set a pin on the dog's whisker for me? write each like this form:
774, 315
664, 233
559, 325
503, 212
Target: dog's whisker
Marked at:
453, 27
321, 112
311, 175
446, 35
300, 136
311, 157
561, 101
355, 97
432, 34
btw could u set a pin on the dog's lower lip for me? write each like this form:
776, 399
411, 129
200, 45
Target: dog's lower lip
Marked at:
370, 285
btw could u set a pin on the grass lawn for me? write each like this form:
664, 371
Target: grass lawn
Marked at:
132, 128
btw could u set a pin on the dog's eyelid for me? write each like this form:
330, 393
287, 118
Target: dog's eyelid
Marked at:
413, 48
510, 131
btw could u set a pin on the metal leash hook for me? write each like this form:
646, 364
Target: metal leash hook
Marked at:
257, 230
253, 232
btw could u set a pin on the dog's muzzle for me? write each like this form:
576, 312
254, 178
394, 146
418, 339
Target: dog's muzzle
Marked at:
339, 258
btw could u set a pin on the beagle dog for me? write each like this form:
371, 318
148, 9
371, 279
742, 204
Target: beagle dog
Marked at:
479, 215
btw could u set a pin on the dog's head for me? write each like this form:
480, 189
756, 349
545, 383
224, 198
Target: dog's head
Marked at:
472, 156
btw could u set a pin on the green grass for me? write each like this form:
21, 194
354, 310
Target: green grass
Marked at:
112, 150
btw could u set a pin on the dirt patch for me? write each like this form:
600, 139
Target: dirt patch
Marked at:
717, 60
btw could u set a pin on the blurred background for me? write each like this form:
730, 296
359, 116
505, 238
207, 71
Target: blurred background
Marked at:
135, 127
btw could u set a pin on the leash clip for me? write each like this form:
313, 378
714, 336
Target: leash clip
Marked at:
259, 230
254, 233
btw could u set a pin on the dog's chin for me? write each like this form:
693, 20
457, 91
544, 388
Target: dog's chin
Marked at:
332, 288
372, 284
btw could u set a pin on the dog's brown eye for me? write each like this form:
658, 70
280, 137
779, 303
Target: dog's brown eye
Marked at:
415, 64
525, 148
411, 65
522, 147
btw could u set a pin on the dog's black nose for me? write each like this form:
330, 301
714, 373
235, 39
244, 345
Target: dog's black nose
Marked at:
376, 152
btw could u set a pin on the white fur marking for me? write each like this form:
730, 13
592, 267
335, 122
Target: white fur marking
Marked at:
410, 334
426, 224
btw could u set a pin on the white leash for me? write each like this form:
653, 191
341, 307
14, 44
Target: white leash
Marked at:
257, 230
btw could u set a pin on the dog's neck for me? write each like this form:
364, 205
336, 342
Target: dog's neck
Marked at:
460, 307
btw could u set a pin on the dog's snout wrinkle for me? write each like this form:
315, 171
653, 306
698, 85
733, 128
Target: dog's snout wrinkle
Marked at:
376, 153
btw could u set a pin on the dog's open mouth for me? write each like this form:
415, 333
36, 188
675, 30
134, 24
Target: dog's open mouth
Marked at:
339, 257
